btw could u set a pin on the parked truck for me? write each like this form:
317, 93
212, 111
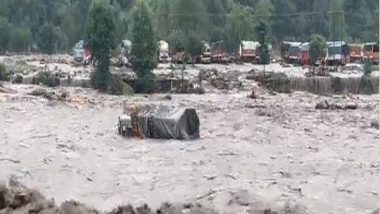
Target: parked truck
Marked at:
371, 52
338, 53
305, 54
356, 52
291, 52
81, 53
217, 52
125, 53
205, 57
164, 52
247, 51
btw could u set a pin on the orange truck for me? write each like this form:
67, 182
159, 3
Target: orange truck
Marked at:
371, 52
356, 52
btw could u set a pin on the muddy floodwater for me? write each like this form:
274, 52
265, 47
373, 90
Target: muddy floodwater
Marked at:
275, 152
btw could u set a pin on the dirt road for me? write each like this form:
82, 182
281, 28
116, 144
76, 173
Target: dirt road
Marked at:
276, 151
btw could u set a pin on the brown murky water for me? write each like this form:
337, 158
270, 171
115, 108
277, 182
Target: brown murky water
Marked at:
281, 153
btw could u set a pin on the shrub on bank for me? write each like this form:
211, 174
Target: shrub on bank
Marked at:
119, 87
146, 84
4, 73
46, 79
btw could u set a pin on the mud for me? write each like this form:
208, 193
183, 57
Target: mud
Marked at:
274, 152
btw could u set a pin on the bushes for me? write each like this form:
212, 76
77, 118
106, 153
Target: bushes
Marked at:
146, 84
278, 82
46, 79
119, 87
367, 68
4, 73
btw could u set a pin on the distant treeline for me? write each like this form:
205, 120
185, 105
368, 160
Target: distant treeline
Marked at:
55, 25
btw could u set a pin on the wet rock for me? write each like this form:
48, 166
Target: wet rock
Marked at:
375, 124
351, 106
5, 90
73, 207
168, 97
278, 82
38, 92
322, 105
64, 95
264, 113
252, 95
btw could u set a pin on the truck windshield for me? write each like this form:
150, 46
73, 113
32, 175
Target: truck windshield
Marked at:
368, 48
294, 50
334, 50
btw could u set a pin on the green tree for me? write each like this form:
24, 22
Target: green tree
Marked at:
239, 26
360, 15
101, 39
317, 47
20, 39
144, 48
284, 25
49, 38
162, 19
189, 25
262, 37
5, 35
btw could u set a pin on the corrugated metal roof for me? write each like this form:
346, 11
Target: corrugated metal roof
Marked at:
335, 43
249, 44
293, 44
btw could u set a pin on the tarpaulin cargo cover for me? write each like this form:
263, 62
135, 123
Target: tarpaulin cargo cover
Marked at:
168, 123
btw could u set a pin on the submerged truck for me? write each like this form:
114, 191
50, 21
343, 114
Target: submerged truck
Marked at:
159, 122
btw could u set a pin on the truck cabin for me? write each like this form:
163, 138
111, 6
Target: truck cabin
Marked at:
79, 55
126, 47
371, 52
291, 51
216, 48
337, 53
356, 52
217, 52
206, 49
164, 51
247, 51
248, 48
305, 54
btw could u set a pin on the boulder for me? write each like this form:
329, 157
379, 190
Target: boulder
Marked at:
38, 92
351, 106
375, 124
322, 105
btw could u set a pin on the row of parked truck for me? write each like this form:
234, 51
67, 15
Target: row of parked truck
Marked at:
214, 53
336, 53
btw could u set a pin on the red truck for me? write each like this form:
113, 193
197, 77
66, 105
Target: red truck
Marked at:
371, 52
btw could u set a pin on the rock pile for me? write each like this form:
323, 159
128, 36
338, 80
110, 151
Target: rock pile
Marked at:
324, 104
221, 80
16, 198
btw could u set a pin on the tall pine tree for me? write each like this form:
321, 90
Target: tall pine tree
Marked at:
144, 48
101, 39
